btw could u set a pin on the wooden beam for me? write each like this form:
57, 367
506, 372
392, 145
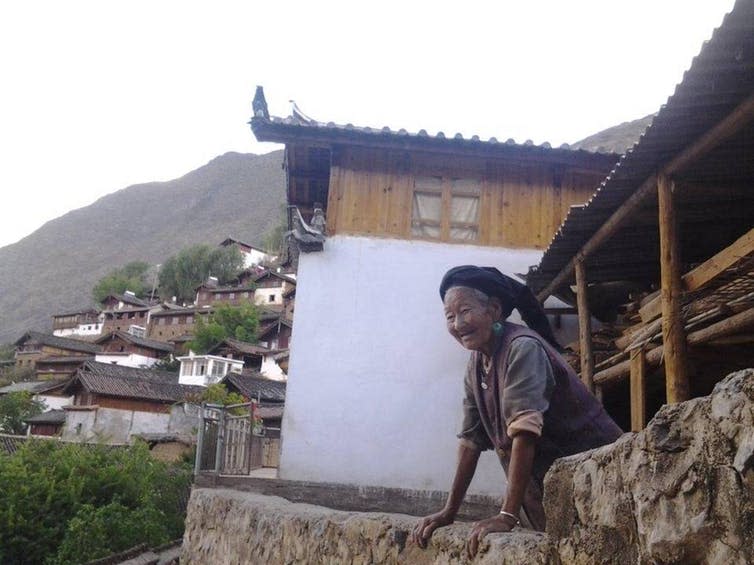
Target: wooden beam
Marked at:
585, 328
638, 390
730, 326
727, 127
706, 272
671, 294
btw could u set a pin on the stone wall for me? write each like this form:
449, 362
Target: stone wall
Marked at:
227, 527
681, 491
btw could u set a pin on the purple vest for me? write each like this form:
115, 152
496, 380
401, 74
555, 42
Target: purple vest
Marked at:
575, 420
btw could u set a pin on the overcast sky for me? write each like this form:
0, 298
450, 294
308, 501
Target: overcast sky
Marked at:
100, 95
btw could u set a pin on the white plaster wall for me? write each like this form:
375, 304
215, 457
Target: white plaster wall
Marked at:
55, 402
262, 296
131, 360
271, 369
375, 383
81, 329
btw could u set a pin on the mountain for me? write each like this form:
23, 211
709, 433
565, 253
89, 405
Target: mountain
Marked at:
53, 269
617, 139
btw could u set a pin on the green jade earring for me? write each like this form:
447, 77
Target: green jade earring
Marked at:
497, 328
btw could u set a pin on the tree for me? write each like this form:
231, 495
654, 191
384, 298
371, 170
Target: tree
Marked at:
274, 240
131, 276
183, 272
15, 407
238, 322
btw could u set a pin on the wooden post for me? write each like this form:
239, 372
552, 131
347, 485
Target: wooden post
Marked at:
671, 291
585, 328
199, 442
638, 390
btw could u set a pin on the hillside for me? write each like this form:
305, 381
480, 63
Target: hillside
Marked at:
617, 139
54, 268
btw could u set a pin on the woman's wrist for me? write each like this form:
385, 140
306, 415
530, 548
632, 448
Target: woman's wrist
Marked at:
509, 518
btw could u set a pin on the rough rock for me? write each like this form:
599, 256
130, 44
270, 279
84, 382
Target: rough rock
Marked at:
233, 527
680, 491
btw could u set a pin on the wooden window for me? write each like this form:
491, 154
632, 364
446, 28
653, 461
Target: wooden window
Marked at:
445, 209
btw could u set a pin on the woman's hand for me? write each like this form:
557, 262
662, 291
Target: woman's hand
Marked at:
423, 530
499, 523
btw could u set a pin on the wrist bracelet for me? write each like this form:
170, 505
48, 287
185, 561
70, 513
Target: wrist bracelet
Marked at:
509, 515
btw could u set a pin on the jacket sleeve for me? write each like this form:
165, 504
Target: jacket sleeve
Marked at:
472, 431
525, 395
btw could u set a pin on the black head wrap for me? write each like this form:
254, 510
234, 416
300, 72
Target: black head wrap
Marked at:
512, 294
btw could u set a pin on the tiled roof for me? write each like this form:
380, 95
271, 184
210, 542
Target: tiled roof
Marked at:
271, 273
58, 342
79, 311
241, 346
299, 126
229, 240
254, 386
63, 359
119, 371
127, 299
140, 341
183, 311
10, 444
720, 79
49, 417
31, 386
114, 380
269, 328
271, 412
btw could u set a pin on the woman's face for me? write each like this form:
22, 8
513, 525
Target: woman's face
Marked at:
469, 320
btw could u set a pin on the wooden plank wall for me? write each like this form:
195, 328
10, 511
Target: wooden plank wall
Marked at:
521, 207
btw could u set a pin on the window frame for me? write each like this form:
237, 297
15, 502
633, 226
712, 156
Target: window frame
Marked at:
447, 191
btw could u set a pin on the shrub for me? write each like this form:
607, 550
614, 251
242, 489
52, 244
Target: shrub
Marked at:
52, 494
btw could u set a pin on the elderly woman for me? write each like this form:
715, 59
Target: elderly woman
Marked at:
522, 399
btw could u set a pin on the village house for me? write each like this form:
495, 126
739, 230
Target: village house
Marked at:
124, 348
47, 424
34, 346
112, 403
205, 370
254, 357
663, 251
251, 255
172, 323
85, 322
122, 311
58, 367
378, 216
50, 392
275, 334
210, 293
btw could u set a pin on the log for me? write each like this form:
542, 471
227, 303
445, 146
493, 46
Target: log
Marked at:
638, 390
729, 326
585, 329
706, 272
671, 294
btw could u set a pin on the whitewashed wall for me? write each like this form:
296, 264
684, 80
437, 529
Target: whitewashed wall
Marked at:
135, 360
375, 382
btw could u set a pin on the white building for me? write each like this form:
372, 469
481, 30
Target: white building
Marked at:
375, 382
204, 370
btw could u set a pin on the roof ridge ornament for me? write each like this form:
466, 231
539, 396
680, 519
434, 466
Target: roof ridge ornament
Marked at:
259, 104
297, 114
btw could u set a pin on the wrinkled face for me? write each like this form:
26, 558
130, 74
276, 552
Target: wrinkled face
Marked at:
470, 320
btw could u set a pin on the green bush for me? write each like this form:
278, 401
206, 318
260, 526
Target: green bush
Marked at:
68, 503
